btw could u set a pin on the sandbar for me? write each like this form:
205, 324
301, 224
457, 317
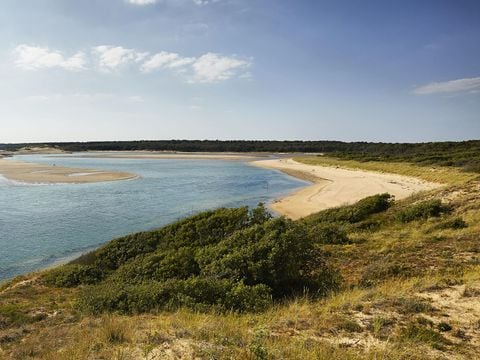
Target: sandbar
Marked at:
333, 186
26, 172
170, 155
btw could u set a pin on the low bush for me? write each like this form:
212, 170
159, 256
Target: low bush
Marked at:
354, 213
423, 211
454, 224
381, 271
444, 326
228, 259
196, 293
328, 234
73, 275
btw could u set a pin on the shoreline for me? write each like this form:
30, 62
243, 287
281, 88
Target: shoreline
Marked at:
334, 186
20, 172
141, 154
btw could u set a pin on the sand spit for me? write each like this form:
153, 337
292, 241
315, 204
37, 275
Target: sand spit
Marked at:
47, 174
170, 155
335, 186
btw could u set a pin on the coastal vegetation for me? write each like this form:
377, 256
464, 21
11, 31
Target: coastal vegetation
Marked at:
377, 279
227, 259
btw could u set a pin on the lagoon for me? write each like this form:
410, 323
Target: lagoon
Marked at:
42, 225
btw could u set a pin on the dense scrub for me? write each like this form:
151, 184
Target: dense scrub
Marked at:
236, 259
225, 259
423, 210
353, 213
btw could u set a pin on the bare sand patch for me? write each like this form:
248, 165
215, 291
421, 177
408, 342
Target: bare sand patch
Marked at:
38, 173
334, 186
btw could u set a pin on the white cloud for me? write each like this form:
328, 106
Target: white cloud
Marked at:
166, 60
459, 85
212, 67
141, 2
34, 58
207, 68
112, 57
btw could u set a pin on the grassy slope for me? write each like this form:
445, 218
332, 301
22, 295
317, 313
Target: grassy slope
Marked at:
421, 277
444, 175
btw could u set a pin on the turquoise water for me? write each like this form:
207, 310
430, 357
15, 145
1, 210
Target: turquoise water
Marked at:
41, 225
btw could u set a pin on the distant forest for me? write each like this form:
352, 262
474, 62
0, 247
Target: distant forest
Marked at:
464, 154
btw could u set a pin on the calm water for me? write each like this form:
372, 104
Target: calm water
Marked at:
44, 224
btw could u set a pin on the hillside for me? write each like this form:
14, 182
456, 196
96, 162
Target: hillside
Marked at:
377, 279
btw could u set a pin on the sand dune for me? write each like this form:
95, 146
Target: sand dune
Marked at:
335, 186
38, 173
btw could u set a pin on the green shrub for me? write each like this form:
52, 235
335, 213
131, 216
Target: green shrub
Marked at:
199, 230
194, 293
422, 211
279, 254
73, 275
225, 259
455, 224
159, 266
325, 233
353, 213
444, 326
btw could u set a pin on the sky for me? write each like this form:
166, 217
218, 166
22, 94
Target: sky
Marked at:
377, 70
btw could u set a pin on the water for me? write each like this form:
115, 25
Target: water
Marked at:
41, 225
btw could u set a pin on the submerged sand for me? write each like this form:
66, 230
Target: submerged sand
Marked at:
334, 186
38, 173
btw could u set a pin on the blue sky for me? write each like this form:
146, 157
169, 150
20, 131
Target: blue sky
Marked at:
399, 71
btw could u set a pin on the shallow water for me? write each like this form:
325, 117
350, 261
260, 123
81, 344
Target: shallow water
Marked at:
45, 224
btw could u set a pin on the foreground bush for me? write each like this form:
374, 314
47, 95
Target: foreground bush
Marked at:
423, 210
195, 293
228, 259
354, 213
73, 275
328, 234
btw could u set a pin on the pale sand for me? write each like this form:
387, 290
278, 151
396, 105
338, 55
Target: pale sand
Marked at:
170, 155
38, 173
334, 187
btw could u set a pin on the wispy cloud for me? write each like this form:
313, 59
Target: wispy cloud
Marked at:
112, 57
214, 67
206, 68
452, 86
35, 57
166, 60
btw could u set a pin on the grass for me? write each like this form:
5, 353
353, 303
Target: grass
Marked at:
443, 175
298, 329
396, 315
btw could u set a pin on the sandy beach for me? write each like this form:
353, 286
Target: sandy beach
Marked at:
37, 173
333, 186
